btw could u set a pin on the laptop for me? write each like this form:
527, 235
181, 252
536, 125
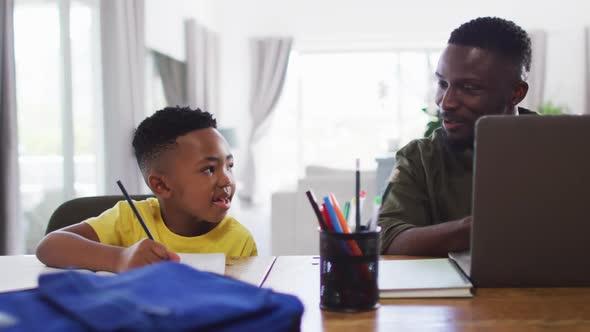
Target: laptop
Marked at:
531, 202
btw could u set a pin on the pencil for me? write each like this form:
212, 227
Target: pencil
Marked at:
339, 213
333, 217
324, 211
147, 231
357, 194
316, 209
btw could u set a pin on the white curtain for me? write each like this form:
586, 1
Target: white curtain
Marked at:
536, 78
270, 57
587, 71
10, 221
173, 75
123, 71
202, 54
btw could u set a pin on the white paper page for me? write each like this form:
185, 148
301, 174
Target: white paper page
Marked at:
19, 272
205, 262
22, 272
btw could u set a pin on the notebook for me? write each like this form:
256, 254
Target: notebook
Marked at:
25, 270
421, 278
252, 270
205, 262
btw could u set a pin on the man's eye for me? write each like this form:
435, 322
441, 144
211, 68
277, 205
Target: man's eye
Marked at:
442, 84
471, 87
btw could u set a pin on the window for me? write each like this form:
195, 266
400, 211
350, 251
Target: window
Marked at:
58, 106
338, 106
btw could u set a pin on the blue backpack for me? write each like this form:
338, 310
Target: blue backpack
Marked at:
162, 297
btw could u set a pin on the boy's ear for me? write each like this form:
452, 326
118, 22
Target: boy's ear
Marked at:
158, 185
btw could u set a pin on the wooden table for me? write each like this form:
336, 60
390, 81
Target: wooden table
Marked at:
491, 309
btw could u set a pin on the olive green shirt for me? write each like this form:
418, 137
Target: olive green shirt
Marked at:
430, 184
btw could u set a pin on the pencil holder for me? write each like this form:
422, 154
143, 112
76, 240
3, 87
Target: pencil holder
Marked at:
349, 266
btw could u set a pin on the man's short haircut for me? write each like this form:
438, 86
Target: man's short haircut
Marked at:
158, 132
497, 35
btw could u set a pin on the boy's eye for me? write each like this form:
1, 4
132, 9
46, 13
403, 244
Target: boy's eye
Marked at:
230, 166
208, 170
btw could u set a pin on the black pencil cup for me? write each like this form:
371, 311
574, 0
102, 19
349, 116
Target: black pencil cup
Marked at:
349, 266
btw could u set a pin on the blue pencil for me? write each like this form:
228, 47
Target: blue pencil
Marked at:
332, 214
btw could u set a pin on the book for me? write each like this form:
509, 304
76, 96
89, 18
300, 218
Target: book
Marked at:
421, 278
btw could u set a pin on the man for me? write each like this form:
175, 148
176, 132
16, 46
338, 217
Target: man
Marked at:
427, 205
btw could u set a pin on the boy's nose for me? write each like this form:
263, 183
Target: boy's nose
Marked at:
225, 179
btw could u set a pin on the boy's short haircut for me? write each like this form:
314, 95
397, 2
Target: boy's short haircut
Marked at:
158, 132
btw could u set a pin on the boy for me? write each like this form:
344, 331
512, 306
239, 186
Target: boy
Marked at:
187, 165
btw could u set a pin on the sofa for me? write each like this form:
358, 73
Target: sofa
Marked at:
294, 226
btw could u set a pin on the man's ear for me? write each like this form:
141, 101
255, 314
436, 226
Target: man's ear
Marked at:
519, 92
159, 185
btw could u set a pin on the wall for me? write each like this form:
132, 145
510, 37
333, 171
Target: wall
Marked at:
315, 24
164, 23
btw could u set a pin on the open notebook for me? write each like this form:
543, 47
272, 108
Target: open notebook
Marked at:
22, 272
252, 270
205, 262
419, 278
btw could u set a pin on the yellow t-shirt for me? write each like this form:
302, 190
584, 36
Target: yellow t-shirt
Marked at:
118, 226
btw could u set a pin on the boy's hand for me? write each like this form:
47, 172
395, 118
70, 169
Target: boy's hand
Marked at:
142, 253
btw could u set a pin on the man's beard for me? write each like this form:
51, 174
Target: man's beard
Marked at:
458, 145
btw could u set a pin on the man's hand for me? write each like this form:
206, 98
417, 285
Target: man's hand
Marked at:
142, 253
434, 240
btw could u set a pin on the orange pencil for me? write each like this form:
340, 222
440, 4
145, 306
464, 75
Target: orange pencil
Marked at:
339, 214
356, 251
352, 245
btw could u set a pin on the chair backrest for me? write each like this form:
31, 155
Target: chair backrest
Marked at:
79, 209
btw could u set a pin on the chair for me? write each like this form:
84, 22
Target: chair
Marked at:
79, 209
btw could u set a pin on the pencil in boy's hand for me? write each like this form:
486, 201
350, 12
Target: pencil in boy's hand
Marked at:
316, 209
147, 231
357, 191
